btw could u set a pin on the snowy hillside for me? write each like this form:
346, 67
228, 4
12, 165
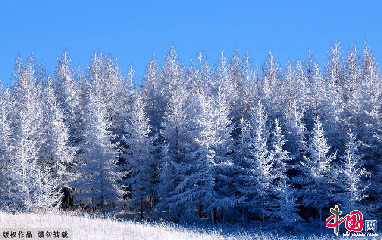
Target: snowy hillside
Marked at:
88, 228
97, 229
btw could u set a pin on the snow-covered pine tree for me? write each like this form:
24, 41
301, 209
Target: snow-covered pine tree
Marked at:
68, 93
295, 131
27, 118
296, 101
257, 165
323, 104
59, 152
352, 91
175, 141
154, 91
236, 87
287, 211
140, 163
155, 106
371, 121
151, 88
195, 191
334, 67
246, 172
6, 138
318, 188
172, 136
353, 176
222, 146
271, 86
283, 206
289, 86
280, 156
97, 184
334, 114
116, 93
300, 86
171, 76
207, 170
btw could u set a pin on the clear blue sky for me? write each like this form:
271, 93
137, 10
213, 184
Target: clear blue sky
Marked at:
134, 31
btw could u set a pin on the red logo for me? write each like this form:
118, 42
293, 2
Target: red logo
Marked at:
353, 220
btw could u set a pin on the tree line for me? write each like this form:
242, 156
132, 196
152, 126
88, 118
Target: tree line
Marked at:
229, 142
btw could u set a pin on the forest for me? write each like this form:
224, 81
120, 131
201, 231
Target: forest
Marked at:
225, 142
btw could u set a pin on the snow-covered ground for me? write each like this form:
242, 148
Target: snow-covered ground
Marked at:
104, 229
98, 229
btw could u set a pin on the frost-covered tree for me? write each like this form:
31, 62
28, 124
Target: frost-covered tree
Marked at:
174, 149
32, 183
334, 77
195, 191
140, 163
152, 88
114, 90
287, 212
27, 119
296, 131
299, 85
240, 87
271, 85
353, 176
334, 67
58, 150
246, 172
6, 143
68, 94
97, 185
220, 129
284, 206
370, 131
194, 142
264, 161
280, 156
254, 168
318, 187
154, 103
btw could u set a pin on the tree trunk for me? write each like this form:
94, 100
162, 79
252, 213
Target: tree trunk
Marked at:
242, 214
212, 216
103, 205
200, 210
223, 216
141, 209
151, 203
